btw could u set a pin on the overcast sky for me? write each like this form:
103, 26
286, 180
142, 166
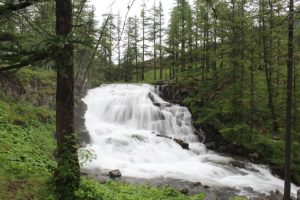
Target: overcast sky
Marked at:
104, 6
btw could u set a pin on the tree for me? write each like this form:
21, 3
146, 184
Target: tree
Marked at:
160, 16
173, 43
184, 13
289, 104
136, 41
153, 35
145, 24
67, 174
131, 52
267, 60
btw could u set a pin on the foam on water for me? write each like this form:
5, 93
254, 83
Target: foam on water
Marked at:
123, 121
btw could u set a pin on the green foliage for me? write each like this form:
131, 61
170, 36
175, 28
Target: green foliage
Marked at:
214, 107
238, 198
92, 190
25, 152
67, 173
86, 155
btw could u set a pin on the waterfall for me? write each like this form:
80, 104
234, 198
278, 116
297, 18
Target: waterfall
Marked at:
124, 121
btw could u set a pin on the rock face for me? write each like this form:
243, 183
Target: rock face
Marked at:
254, 156
238, 164
183, 144
114, 173
79, 120
37, 90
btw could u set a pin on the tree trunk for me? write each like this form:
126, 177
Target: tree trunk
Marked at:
67, 174
289, 95
143, 56
160, 47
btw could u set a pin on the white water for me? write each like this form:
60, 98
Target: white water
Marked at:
123, 122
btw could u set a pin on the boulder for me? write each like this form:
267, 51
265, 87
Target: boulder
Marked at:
183, 144
184, 190
275, 195
210, 145
114, 173
235, 148
254, 156
195, 184
237, 164
253, 169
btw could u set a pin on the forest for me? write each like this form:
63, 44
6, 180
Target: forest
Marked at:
197, 100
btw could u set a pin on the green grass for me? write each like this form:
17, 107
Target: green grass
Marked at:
91, 190
26, 151
238, 198
149, 75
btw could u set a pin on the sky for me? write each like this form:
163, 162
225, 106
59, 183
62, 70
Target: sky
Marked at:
104, 6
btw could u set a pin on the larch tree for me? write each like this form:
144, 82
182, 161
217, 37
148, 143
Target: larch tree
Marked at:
289, 103
160, 35
67, 174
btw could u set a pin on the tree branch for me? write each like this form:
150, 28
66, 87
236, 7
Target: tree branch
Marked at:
8, 8
27, 62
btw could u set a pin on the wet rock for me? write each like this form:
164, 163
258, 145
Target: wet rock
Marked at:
278, 192
254, 156
183, 144
158, 135
249, 189
222, 149
237, 164
156, 104
210, 145
138, 137
151, 96
298, 195
252, 169
275, 195
236, 149
206, 186
114, 173
196, 184
184, 190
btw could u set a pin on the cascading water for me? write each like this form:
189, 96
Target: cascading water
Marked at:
124, 120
